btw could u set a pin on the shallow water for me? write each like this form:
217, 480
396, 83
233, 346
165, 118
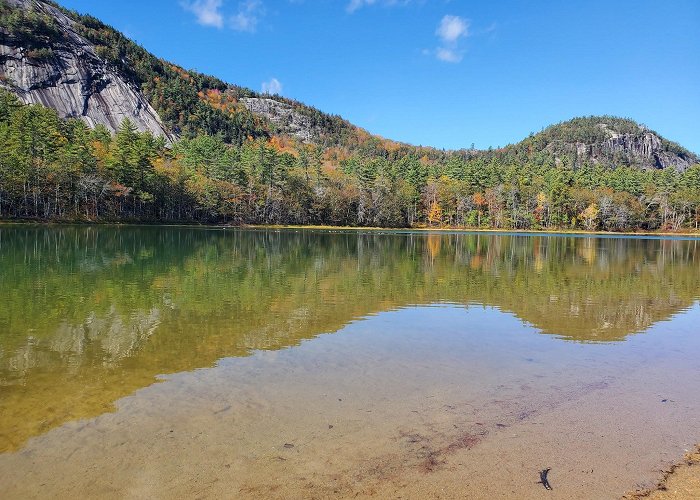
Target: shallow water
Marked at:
178, 362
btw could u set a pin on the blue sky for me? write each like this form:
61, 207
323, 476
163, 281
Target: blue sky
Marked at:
441, 73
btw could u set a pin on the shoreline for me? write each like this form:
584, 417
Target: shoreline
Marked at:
681, 481
459, 229
320, 227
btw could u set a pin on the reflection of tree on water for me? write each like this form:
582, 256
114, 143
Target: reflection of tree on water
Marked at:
93, 313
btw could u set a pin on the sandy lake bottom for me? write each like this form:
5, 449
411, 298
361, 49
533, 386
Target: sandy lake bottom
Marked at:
441, 402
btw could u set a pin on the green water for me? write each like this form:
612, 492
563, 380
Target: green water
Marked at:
89, 315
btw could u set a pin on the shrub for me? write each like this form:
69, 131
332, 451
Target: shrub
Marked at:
42, 54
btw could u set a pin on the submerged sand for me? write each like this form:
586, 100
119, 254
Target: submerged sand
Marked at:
356, 414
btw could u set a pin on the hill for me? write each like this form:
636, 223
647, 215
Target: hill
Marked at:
608, 141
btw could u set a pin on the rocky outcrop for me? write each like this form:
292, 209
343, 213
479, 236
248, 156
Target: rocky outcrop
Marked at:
72, 79
645, 148
614, 142
287, 120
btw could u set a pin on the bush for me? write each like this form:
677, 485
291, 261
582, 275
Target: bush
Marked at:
42, 54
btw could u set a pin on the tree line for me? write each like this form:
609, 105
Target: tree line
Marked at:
54, 169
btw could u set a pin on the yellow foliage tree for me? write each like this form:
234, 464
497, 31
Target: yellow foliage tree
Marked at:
435, 214
589, 216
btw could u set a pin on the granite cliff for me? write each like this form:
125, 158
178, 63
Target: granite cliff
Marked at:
68, 76
607, 141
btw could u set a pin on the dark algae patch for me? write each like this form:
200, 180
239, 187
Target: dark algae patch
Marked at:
544, 478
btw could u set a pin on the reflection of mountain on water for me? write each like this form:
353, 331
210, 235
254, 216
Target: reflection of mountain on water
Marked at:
603, 289
91, 313
112, 336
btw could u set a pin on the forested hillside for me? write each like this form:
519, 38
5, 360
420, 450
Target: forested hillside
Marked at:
58, 169
44, 35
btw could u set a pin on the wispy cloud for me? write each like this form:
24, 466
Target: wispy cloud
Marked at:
274, 86
450, 31
207, 12
358, 4
210, 13
248, 16
449, 55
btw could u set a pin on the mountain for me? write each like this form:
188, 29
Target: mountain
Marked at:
83, 68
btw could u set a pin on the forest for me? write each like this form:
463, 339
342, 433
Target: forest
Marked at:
56, 169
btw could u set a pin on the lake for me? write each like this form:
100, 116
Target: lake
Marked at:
161, 362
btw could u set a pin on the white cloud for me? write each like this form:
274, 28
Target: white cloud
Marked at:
207, 12
449, 32
452, 28
448, 55
272, 87
248, 15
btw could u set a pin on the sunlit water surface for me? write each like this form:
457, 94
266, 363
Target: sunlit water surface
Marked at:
153, 362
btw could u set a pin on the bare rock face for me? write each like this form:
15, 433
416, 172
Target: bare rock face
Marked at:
283, 115
73, 80
645, 148
621, 142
